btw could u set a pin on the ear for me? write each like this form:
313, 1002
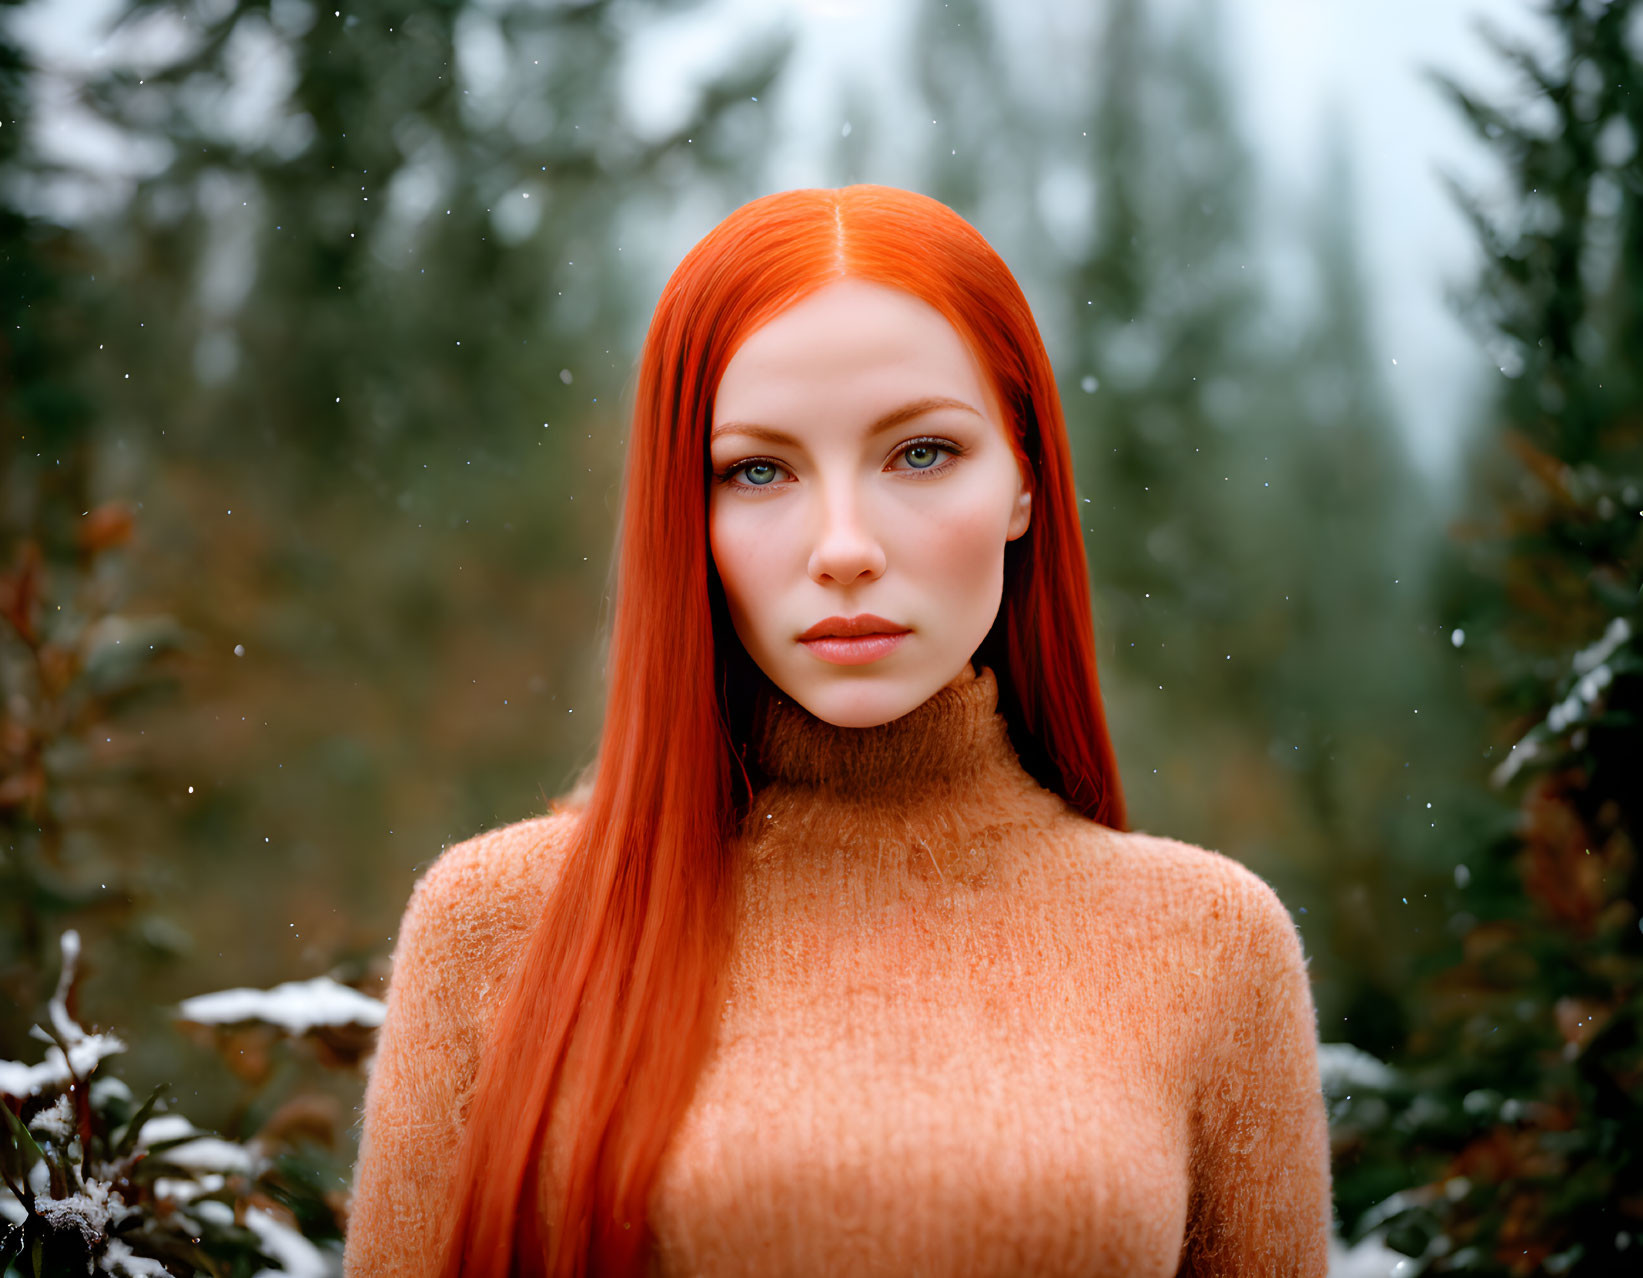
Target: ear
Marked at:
1021, 515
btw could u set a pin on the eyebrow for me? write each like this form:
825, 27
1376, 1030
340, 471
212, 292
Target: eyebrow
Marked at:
895, 417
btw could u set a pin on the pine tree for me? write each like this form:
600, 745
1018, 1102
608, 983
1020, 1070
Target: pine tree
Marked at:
976, 159
1356, 690
1512, 1131
54, 692
387, 309
1253, 519
1170, 333
46, 415
1251, 511
396, 265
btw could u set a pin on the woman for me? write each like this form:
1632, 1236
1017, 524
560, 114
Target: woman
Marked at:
842, 961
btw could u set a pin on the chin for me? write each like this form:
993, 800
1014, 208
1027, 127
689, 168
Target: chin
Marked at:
857, 702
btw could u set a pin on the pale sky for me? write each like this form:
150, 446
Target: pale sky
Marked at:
1293, 63
1298, 58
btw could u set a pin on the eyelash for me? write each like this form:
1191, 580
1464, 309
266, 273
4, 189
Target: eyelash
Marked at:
945, 445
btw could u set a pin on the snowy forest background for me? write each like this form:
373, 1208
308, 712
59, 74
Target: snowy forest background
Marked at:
309, 461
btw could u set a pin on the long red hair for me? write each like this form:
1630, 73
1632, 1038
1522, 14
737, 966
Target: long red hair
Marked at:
629, 952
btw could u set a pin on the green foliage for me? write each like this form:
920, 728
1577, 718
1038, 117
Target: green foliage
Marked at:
1518, 1111
71, 675
341, 372
96, 1178
75, 664
350, 388
396, 269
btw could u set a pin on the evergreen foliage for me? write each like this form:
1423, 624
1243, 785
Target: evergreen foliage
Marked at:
397, 268
1256, 528
391, 330
100, 1183
279, 429
1513, 1129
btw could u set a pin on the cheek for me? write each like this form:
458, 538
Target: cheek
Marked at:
746, 552
960, 543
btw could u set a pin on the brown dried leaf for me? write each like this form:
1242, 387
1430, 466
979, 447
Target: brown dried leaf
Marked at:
106, 526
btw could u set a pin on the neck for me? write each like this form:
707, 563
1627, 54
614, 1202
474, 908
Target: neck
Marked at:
929, 795
954, 738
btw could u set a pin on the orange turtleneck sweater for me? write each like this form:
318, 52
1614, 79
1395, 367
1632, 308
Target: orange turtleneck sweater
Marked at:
969, 1032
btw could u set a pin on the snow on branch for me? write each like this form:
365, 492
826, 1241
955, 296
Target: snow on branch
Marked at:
84, 1050
297, 1007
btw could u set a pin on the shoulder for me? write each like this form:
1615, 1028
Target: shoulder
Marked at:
1222, 909
485, 890
1241, 918
1235, 901
1219, 889
1243, 941
505, 859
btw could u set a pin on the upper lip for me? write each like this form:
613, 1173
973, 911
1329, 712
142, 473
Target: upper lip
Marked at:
849, 627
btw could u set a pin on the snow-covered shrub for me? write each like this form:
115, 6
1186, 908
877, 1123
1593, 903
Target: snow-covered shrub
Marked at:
97, 1183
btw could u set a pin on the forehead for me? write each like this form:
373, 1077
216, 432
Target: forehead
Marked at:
850, 348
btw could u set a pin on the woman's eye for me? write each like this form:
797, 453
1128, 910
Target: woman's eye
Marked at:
759, 474
922, 454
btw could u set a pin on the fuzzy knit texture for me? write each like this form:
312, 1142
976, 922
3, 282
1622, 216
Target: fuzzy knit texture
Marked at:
969, 1032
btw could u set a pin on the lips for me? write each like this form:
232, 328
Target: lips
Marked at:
852, 627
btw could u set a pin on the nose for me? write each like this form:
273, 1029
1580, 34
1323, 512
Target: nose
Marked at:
845, 549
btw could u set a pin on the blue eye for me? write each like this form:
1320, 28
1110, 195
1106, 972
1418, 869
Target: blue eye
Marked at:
921, 455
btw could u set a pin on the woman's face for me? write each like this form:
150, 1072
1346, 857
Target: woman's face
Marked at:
861, 470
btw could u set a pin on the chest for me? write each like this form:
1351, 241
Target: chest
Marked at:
937, 1080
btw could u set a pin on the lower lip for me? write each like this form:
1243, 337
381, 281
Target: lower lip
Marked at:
857, 651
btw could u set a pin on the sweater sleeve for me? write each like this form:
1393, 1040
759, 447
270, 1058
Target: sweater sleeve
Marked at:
1261, 1200
466, 917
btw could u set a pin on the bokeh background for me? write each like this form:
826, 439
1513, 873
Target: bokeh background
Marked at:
319, 329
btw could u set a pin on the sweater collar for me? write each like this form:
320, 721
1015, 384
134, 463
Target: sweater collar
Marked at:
956, 736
